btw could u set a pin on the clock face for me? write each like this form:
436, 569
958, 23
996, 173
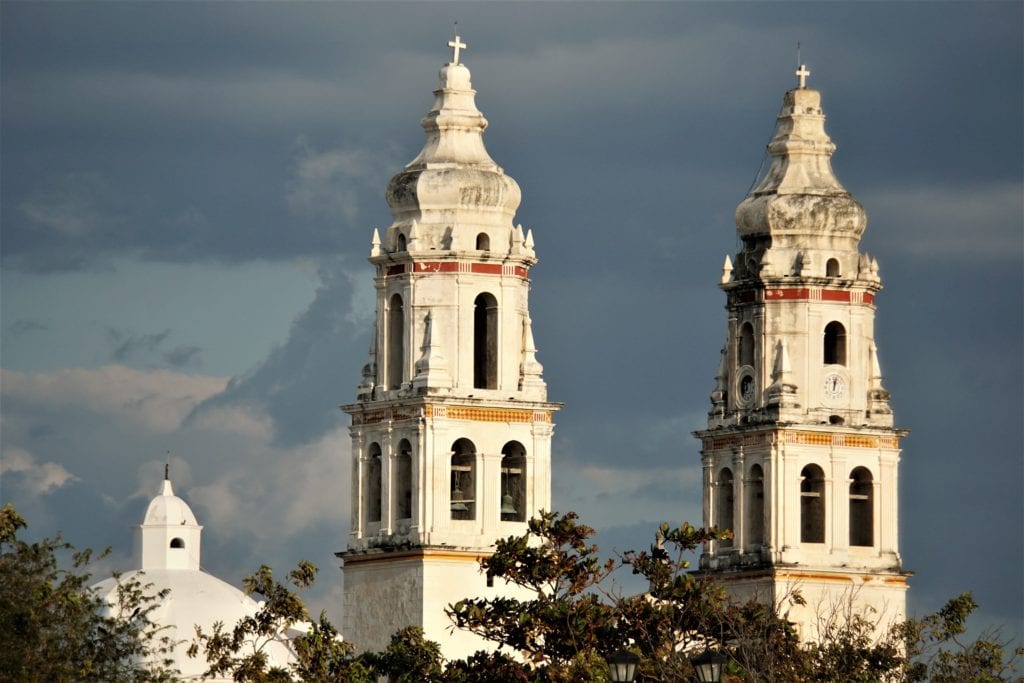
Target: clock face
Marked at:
834, 386
747, 389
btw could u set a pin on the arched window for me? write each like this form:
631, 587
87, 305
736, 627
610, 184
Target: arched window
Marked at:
724, 517
746, 350
483, 242
463, 480
812, 505
373, 484
396, 342
754, 508
177, 543
832, 268
485, 342
513, 482
401, 242
862, 525
835, 344
403, 481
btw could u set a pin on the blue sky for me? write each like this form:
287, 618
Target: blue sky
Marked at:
189, 191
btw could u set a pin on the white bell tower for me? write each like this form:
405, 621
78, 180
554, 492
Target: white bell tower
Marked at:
800, 456
451, 428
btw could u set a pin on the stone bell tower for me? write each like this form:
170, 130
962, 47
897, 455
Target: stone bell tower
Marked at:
451, 428
800, 455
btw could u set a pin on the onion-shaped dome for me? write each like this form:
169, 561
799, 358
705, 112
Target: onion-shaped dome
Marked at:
800, 195
453, 184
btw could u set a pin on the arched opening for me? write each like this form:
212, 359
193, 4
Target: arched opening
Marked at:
177, 543
835, 344
724, 513
832, 268
862, 520
513, 482
746, 350
403, 481
401, 242
483, 242
373, 484
396, 341
812, 505
463, 480
754, 507
485, 342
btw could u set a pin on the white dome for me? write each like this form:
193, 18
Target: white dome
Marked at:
169, 559
195, 599
167, 508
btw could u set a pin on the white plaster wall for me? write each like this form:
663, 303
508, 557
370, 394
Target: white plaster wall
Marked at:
379, 599
880, 599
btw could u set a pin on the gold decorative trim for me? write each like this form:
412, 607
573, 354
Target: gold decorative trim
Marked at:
788, 436
490, 414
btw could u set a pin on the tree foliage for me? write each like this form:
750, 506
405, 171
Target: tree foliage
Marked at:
54, 628
566, 624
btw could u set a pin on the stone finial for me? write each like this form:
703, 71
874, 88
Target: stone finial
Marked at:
530, 369
375, 244
364, 392
782, 392
718, 395
864, 266
528, 244
517, 239
414, 235
432, 366
726, 271
878, 398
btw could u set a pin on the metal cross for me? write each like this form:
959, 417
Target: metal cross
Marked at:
456, 46
802, 73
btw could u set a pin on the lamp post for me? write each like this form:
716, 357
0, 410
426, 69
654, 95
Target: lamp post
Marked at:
709, 666
622, 666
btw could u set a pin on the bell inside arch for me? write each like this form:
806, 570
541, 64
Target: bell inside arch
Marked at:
508, 506
458, 501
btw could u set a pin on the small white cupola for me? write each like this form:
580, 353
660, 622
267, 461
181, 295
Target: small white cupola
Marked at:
169, 533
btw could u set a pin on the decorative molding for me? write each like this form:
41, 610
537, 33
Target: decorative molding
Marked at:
807, 438
478, 268
474, 414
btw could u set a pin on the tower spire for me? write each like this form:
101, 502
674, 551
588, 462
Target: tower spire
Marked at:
800, 455
451, 444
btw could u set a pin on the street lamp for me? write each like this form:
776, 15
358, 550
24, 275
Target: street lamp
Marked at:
622, 666
709, 666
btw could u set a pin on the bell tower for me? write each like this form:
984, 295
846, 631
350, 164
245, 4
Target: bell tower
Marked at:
800, 456
451, 428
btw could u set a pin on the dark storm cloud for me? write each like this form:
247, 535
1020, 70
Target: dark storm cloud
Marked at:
24, 326
301, 383
190, 121
183, 356
128, 346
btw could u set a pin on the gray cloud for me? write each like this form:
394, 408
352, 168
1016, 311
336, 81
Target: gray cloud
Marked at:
301, 383
129, 346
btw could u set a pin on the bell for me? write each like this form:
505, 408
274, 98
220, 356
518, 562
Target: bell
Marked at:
508, 506
457, 502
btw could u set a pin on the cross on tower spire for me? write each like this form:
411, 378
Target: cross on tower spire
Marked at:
802, 73
456, 45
